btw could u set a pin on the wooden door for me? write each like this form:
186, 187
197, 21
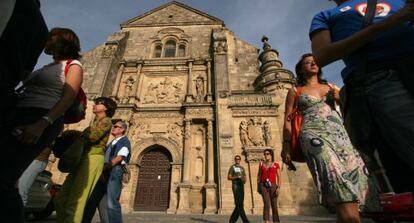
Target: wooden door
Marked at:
153, 187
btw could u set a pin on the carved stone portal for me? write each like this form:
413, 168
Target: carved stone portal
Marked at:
164, 92
255, 133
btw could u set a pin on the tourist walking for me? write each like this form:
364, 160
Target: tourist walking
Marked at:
268, 182
72, 197
38, 117
237, 176
338, 170
117, 156
378, 77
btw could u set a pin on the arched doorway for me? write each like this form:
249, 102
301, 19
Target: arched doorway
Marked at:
154, 179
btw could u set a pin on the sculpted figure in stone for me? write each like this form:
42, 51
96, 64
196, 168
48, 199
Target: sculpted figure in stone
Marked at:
199, 89
266, 133
127, 89
178, 91
244, 137
166, 93
151, 95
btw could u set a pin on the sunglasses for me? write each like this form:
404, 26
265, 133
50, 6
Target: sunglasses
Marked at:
237, 159
266, 154
117, 126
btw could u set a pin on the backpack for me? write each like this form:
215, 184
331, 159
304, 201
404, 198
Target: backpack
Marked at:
76, 112
295, 119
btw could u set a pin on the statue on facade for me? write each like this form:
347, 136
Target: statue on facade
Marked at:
166, 93
128, 84
244, 137
199, 89
266, 133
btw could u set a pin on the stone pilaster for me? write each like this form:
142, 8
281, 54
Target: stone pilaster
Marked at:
209, 84
210, 187
211, 204
184, 186
189, 96
118, 79
136, 86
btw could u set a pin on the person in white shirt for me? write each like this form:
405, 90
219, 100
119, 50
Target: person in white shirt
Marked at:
117, 156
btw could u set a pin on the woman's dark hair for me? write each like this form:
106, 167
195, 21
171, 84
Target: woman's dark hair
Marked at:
109, 104
300, 76
63, 44
271, 153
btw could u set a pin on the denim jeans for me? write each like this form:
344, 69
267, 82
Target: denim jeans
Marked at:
15, 159
112, 189
390, 109
28, 177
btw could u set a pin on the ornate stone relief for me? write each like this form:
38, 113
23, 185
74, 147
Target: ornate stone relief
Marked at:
174, 132
164, 92
254, 133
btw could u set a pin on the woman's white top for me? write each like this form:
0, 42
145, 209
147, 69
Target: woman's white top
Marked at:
46, 87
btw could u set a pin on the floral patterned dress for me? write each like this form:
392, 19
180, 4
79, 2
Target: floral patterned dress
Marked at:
338, 170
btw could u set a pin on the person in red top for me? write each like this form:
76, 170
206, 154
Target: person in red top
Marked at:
268, 185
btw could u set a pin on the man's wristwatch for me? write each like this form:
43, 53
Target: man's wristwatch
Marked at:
47, 119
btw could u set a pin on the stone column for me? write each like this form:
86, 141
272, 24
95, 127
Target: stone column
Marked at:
118, 79
138, 80
189, 96
210, 187
209, 95
184, 186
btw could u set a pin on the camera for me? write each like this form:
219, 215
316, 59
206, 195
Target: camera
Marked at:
268, 184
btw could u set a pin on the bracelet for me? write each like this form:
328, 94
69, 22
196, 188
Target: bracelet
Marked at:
47, 119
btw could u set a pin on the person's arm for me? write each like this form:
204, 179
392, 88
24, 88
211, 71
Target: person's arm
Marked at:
230, 174
287, 126
32, 132
243, 177
278, 182
326, 52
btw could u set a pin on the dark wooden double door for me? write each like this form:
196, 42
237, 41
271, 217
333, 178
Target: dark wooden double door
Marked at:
154, 177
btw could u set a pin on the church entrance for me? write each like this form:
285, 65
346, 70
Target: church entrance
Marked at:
154, 179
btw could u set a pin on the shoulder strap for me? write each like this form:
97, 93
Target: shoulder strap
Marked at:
68, 62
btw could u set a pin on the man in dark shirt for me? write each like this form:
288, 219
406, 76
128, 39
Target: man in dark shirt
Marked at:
237, 175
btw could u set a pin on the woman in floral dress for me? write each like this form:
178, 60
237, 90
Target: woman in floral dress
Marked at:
338, 171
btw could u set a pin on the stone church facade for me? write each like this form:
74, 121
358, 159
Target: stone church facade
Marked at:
194, 95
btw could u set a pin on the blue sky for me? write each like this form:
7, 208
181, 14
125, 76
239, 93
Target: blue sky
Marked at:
285, 22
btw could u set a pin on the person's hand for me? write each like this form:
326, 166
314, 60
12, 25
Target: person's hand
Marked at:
335, 92
277, 192
286, 154
403, 15
30, 134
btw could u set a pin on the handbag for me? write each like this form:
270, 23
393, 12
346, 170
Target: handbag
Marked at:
71, 145
76, 112
296, 119
126, 174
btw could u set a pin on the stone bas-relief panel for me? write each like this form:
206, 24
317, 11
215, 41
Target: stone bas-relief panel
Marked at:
164, 91
255, 132
172, 131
